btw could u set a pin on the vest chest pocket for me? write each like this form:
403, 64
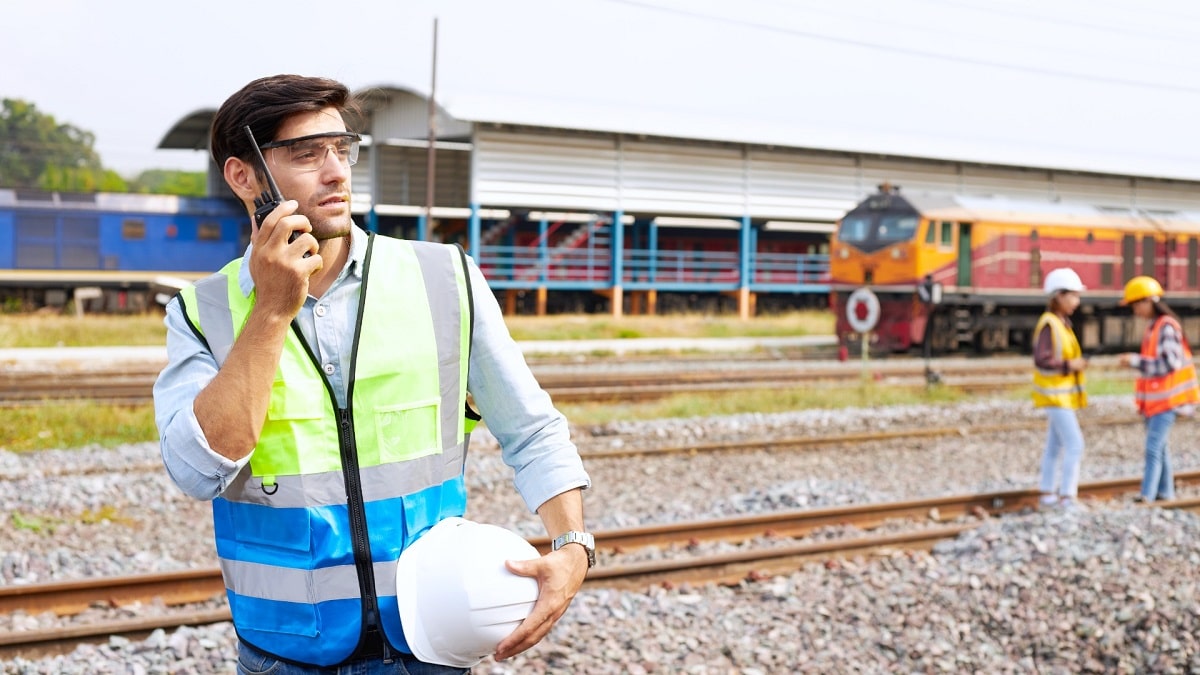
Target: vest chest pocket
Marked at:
408, 431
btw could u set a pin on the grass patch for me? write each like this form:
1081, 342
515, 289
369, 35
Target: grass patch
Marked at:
691, 405
78, 424
34, 523
1103, 386
53, 330
47, 525
1096, 385
594, 327
73, 425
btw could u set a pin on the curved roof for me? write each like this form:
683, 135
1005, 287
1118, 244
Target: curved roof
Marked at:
1064, 85
190, 132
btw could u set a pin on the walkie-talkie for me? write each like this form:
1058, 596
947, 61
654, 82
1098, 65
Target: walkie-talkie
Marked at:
266, 202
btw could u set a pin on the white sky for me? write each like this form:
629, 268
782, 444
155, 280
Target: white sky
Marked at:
1105, 85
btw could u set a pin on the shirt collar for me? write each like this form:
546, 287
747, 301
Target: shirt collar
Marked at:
354, 263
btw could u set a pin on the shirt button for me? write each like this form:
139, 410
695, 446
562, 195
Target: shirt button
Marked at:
328, 368
320, 310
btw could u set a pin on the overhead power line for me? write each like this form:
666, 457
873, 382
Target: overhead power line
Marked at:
908, 51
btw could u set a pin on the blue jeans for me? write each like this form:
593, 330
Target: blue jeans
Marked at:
1064, 438
1157, 481
253, 662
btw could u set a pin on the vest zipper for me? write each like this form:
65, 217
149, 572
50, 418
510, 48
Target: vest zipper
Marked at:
358, 529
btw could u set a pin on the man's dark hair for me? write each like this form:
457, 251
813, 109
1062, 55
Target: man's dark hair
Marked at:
265, 103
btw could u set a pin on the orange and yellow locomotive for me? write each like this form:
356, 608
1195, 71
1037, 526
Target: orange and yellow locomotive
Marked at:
962, 272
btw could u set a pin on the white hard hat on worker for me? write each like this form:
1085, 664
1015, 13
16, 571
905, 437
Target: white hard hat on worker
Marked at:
1062, 279
457, 599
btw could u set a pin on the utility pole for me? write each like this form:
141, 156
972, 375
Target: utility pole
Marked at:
431, 163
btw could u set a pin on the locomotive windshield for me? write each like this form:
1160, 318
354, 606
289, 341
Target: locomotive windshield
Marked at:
879, 221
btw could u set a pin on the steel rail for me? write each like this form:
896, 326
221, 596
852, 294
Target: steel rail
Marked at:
133, 384
729, 568
748, 445
737, 445
198, 585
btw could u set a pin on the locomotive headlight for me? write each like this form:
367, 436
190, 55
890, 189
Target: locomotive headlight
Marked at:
843, 253
896, 254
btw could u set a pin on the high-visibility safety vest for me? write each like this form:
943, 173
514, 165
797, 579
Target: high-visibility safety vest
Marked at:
309, 532
1155, 395
1052, 388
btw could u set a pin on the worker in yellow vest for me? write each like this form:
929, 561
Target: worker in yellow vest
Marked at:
1058, 388
1166, 386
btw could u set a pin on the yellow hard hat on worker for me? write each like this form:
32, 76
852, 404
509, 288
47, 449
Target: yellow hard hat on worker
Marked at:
1140, 288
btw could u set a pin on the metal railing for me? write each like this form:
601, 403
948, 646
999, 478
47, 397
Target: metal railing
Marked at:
590, 267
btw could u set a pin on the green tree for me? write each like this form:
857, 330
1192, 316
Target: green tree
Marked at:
38, 152
171, 182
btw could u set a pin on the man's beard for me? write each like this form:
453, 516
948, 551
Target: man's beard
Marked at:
335, 228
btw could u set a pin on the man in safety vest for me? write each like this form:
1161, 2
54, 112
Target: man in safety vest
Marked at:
1166, 386
316, 392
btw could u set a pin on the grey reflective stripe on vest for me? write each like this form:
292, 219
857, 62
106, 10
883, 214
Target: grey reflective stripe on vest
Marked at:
212, 307
1164, 394
1068, 389
447, 326
386, 481
286, 584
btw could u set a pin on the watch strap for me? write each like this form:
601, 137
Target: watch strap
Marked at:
584, 539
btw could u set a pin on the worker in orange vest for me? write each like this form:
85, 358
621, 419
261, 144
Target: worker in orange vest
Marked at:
1166, 386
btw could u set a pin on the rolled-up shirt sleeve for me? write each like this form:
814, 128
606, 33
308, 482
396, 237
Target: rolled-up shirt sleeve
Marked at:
189, 459
534, 436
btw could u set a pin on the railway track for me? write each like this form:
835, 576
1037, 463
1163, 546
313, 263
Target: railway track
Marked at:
801, 442
935, 519
132, 382
734, 445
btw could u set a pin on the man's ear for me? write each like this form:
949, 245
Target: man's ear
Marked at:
241, 179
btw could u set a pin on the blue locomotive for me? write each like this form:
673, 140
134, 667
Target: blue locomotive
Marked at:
110, 252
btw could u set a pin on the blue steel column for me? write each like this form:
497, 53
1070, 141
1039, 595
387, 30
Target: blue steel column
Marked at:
543, 251
372, 214
473, 232
421, 224
745, 253
474, 229
653, 244
617, 265
618, 249
745, 246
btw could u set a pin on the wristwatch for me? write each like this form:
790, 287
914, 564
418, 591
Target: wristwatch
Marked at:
587, 541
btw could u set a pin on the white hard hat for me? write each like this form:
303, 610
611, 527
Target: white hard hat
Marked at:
457, 599
1062, 279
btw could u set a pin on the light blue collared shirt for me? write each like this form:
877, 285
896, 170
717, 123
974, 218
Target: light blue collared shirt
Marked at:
533, 435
